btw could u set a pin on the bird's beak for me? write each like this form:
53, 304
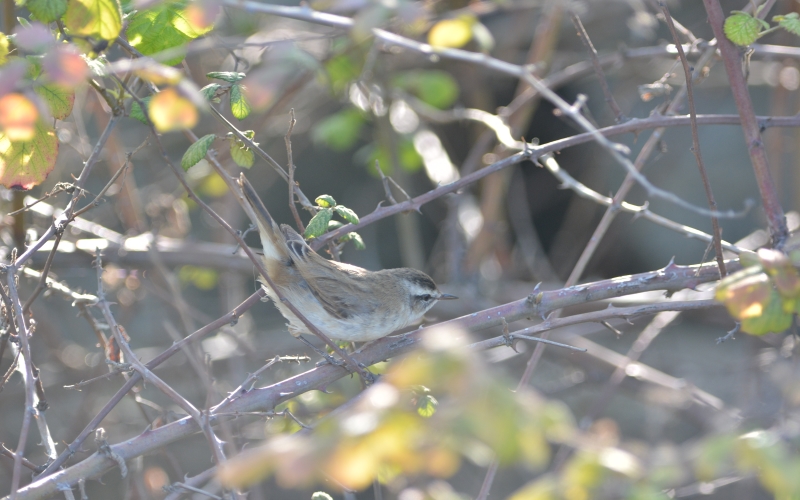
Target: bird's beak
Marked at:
447, 296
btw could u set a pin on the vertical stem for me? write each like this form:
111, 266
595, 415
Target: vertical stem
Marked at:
712, 204
776, 221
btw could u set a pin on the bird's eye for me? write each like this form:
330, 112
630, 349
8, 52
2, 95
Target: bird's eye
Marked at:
425, 298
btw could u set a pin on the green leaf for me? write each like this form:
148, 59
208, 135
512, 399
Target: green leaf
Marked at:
203, 278
341, 130
136, 111
342, 69
790, 22
163, 27
3, 48
346, 214
47, 11
436, 88
355, 238
325, 201
320, 495
59, 100
742, 28
25, 164
241, 154
96, 18
318, 224
227, 76
426, 405
240, 108
773, 319
333, 225
210, 92
197, 151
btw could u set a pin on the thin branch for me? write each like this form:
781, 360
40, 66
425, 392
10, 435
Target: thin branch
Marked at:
147, 374
712, 204
61, 220
619, 116
288, 140
27, 373
770, 199
230, 317
670, 278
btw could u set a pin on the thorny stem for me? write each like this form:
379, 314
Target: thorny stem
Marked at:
776, 221
619, 116
712, 204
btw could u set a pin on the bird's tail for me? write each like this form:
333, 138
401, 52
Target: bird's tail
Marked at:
272, 238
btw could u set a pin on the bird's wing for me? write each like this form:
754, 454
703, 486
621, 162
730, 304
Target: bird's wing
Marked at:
338, 287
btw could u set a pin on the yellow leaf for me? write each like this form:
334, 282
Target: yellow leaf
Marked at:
450, 33
170, 111
17, 117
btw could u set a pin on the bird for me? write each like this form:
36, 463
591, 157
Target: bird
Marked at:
346, 302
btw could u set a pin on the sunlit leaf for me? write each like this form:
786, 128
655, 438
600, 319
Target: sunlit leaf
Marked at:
213, 186
24, 164
742, 28
436, 88
318, 224
773, 318
226, 76
334, 224
97, 18
325, 201
47, 11
451, 33
346, 214
341, 130
781, 271
203, 278
320, 495
18, 117
426, 405
197, 151
745, 293
241, 154
790, 22
162, 27
3, 48
59, 99
159, 74
170, 111
136, 110
483, 37
240, 108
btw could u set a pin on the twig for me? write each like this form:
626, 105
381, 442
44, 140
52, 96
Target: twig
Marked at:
27, 372
619, 116
712, 204
288, 140
776, 220
260, 152
230, 317
61, 220
147, 374
671, 278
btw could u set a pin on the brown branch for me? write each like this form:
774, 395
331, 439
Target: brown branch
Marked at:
288, 140
672, 277
619, 116
712, 204
776, 221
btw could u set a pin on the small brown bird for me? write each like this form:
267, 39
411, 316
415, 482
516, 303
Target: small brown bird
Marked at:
344, 301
